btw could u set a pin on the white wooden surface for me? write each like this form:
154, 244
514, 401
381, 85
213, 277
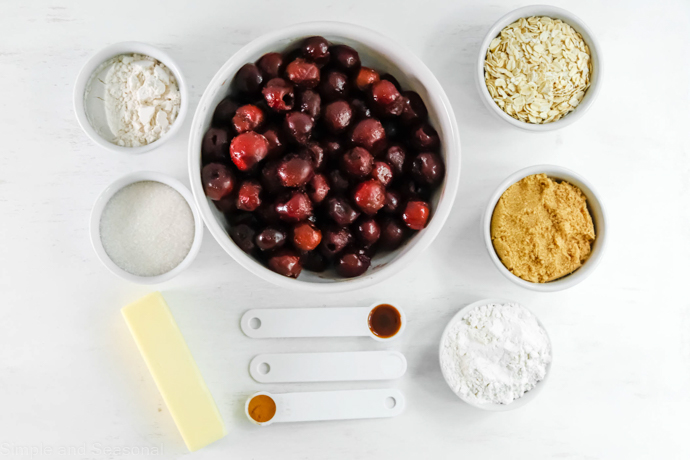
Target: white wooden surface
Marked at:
71, 379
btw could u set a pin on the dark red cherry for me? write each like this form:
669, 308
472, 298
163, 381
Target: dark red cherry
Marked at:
225, 110
396, 156
305, 236
318, 188
247, 118
334, 240
365, 78
414, 109
393, 202
271, 65
424, 137
427, 168
368, 231
295, 170
357, 162
309, 102
279, 95
346, 58
303, 73
295, 207
298, 126
215, 145
386, 98
337, 116
416, 214
248, 80
351, 264
243, 235
382, 172
369, 133
393, 233
247, 149
248, 196
271, 238
316, 49
334, 85
370, 196
285, 262
340, 210
218, 180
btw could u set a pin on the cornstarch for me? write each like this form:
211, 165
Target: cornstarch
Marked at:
495, 353
142, 99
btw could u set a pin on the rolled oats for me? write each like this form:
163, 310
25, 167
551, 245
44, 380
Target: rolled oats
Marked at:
538, 69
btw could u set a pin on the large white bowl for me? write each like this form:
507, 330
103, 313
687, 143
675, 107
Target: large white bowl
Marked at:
517, 403
579, 26
375, 51
596, 209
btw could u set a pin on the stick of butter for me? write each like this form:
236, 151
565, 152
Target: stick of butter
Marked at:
173, 368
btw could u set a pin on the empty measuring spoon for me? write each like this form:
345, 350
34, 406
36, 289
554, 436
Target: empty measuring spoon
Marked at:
327, 367
266, 408
381, 321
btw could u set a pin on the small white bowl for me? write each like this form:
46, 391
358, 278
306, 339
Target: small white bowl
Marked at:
524, 399
579, 26
92, 106
375, 51
596, 209
107, 194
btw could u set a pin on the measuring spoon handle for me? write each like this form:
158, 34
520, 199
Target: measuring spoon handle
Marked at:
305, 322
338, 405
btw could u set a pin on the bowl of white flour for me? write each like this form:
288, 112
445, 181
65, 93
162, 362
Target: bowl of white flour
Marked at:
130, 97
495, 355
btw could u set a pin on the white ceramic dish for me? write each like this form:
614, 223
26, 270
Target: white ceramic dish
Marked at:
596, 209
375, 51
579, 26
91, 109
108, 193
517, 403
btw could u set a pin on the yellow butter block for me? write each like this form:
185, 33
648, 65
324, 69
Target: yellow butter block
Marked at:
173, 368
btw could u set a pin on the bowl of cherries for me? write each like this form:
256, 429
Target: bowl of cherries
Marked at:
324, 157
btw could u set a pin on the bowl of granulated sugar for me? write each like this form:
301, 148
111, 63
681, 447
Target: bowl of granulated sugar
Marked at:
145, 227
495, 355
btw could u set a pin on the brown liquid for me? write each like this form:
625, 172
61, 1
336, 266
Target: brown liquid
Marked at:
262, 408
384, 321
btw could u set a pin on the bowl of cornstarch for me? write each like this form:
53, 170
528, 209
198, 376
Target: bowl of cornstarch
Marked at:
130, 97
495, 355
145, 227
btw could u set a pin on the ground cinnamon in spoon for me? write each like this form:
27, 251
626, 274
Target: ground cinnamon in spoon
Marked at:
262, 408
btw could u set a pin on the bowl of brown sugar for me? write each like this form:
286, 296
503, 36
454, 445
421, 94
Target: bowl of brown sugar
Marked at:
545, 228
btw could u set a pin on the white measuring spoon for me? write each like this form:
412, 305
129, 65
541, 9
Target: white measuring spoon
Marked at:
332, 405
327, 367
314, 322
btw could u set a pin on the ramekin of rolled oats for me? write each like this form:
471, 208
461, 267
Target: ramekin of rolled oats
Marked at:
539, 68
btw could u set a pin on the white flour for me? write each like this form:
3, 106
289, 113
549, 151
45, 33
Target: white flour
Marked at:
142, 99
495, 353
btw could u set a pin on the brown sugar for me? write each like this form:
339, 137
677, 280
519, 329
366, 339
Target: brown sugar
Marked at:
541, 229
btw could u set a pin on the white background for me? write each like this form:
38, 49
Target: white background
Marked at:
70, 374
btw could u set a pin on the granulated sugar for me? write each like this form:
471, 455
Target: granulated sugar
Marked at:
147, 228
495, 353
